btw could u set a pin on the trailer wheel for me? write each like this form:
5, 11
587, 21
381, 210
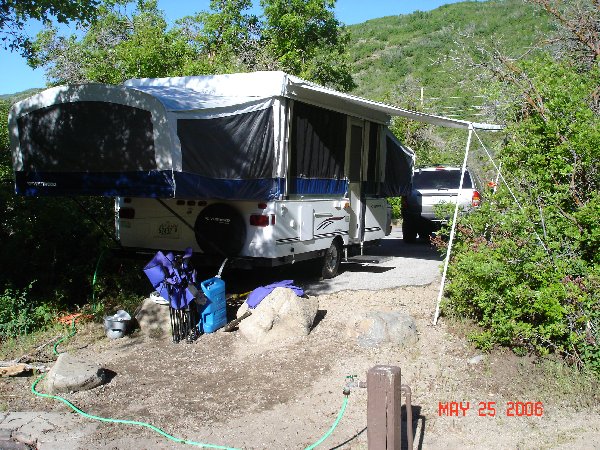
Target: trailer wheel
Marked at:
332, 259
220, 230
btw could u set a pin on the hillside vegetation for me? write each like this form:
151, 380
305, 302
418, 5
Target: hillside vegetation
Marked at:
525, 267
15, 97
393, 57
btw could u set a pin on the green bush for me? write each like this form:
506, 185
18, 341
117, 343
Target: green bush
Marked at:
19, 315
531, 278
396, 204
521, 296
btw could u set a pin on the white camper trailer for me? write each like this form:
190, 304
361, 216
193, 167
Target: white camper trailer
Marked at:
262, 168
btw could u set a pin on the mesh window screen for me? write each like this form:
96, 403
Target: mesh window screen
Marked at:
74, 137
398, 170
318, 143
240, 146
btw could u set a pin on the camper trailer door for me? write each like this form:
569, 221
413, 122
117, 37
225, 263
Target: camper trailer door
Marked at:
354, 159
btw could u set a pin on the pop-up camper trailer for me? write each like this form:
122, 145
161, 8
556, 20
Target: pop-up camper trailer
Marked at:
259, 167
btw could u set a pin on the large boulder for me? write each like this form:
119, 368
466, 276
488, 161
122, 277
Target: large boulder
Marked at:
279, 316
70, 374
376, 328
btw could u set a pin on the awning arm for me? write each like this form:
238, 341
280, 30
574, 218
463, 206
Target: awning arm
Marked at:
452, 231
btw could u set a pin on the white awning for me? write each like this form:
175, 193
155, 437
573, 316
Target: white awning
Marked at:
303, 89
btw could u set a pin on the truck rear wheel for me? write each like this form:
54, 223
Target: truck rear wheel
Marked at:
409, 231
331, 260
220, 230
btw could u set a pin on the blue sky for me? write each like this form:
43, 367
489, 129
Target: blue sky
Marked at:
17, 76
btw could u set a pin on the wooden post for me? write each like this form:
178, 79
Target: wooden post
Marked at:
384, 399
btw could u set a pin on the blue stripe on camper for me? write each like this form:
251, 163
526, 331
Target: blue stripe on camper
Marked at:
110, 184
195, 186
162, 184
306, 186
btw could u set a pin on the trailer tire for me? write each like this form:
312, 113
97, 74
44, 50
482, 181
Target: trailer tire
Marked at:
331, 260
220, 230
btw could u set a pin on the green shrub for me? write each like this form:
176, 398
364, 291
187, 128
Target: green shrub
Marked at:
531, 278
396, 204
19, 315
501, 277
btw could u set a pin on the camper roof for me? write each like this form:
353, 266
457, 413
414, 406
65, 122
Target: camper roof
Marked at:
213, 91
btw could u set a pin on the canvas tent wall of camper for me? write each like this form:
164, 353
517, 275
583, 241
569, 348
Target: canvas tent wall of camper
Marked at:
217, 137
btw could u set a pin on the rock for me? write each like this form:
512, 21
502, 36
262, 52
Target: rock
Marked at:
476, 360
13, 445
376, 328
280, 315
71, 375
5, 435
13, 370
46, 430
154, 319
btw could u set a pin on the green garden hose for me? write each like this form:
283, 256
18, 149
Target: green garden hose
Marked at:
152, 427
128, 422
96, 275
333, 427
64, 338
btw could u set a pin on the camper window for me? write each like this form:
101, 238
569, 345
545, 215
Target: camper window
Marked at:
318, 151
398, 168
239, 146
106, 136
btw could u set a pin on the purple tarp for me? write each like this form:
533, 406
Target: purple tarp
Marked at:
259, 293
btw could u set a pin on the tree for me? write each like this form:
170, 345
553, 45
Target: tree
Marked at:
304, 38
14, 14
117, 46
300, 37
5, 169
578, 28
226, 36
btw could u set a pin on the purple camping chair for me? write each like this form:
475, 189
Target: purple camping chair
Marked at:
174, 279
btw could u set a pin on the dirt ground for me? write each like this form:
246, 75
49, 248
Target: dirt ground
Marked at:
222, 391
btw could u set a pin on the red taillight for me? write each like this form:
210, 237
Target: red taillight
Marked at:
262, 206
258, 220
126, 213
476, 199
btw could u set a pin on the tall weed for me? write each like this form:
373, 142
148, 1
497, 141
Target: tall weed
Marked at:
19, 315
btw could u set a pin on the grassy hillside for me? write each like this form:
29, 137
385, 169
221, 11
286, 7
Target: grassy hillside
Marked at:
394, 56
12, 98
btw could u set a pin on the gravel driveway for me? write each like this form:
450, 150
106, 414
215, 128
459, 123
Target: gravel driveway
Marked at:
404, 265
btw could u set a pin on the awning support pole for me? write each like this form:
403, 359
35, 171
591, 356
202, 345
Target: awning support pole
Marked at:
453, 230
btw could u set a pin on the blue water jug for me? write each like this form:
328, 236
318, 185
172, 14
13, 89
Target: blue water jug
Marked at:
213, 314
